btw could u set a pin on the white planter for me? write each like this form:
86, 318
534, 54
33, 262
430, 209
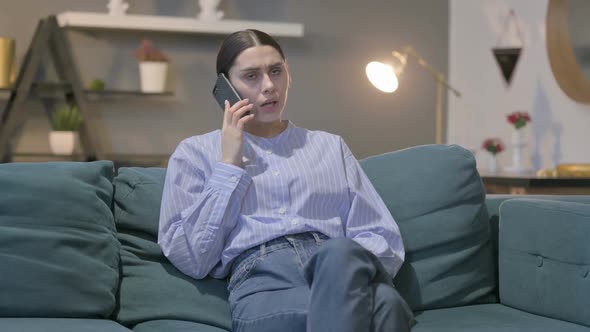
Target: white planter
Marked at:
62, 142
153, 76
519, 144
493, 163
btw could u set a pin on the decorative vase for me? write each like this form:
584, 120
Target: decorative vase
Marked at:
518, 144
209, 10
62, 142
153, 76
492, 163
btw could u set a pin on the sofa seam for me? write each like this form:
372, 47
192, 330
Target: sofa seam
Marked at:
527, 203
550, 258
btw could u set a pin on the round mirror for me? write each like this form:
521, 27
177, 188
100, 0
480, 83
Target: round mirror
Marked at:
568, 46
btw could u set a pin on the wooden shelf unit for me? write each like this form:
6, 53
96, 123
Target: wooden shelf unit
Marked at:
91, 20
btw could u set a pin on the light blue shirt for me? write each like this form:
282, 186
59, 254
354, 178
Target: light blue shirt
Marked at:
298, 181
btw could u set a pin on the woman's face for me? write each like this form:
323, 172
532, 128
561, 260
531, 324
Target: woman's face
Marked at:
260, 74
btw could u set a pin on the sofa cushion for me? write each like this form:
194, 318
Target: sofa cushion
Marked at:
545, 258
437, 198
489, 318
176, 326
59, 325
58, 246
151, 287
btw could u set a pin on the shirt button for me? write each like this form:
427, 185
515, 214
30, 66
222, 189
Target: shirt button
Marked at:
233, 179
282, 210
277, 173
295, 221
268, 152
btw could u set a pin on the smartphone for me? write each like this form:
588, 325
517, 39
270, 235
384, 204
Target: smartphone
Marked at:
223, 90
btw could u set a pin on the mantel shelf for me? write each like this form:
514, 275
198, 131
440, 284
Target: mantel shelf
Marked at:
174, 24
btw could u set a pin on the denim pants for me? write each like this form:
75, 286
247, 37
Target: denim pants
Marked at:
307, 282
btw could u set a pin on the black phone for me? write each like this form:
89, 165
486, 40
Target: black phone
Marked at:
224, 90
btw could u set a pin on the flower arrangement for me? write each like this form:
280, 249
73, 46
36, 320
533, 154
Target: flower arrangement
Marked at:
147, 51
493, 145
518, 119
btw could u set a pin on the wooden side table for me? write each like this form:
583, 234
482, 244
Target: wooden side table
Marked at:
531, 184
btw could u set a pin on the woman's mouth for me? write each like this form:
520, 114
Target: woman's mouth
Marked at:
269, 106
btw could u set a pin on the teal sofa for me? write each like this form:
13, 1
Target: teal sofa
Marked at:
79, 252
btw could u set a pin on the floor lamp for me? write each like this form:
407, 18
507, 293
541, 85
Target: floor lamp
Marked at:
385, 78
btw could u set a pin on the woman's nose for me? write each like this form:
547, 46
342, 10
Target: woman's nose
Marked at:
267, 84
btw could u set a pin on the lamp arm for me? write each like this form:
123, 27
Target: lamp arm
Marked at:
438, 76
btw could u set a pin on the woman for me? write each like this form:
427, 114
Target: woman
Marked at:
285, 212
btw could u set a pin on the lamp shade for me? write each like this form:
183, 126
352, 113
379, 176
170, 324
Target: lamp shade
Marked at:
382, 76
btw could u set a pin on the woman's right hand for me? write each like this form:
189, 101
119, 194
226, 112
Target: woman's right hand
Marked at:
232, 131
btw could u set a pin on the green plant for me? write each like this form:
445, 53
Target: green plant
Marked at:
96, 85
66, 118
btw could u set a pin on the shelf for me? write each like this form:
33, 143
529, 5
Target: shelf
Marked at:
57, 88
5, 93
120, 160
174, 24
127, 93
44, 157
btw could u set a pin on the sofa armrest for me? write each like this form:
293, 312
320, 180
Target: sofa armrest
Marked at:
494, 201
544, 258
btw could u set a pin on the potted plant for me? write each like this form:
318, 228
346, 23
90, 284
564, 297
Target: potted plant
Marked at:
153, 67
493, 146
65, 122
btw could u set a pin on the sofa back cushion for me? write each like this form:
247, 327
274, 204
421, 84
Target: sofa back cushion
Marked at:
436, 196
151, 287
59, 252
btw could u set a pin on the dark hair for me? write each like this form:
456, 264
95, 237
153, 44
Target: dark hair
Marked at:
237, 42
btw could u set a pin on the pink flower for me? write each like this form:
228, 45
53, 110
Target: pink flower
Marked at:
518, 119
493, 145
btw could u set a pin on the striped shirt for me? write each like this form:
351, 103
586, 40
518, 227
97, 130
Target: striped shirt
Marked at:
298, 181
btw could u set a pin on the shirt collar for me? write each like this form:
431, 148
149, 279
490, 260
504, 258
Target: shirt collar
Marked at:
269, 142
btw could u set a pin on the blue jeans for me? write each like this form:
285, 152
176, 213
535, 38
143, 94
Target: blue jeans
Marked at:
307, 282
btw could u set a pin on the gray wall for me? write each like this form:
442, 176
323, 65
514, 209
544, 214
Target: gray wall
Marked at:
329, 90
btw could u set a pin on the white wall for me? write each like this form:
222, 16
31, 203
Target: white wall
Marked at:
559, 131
